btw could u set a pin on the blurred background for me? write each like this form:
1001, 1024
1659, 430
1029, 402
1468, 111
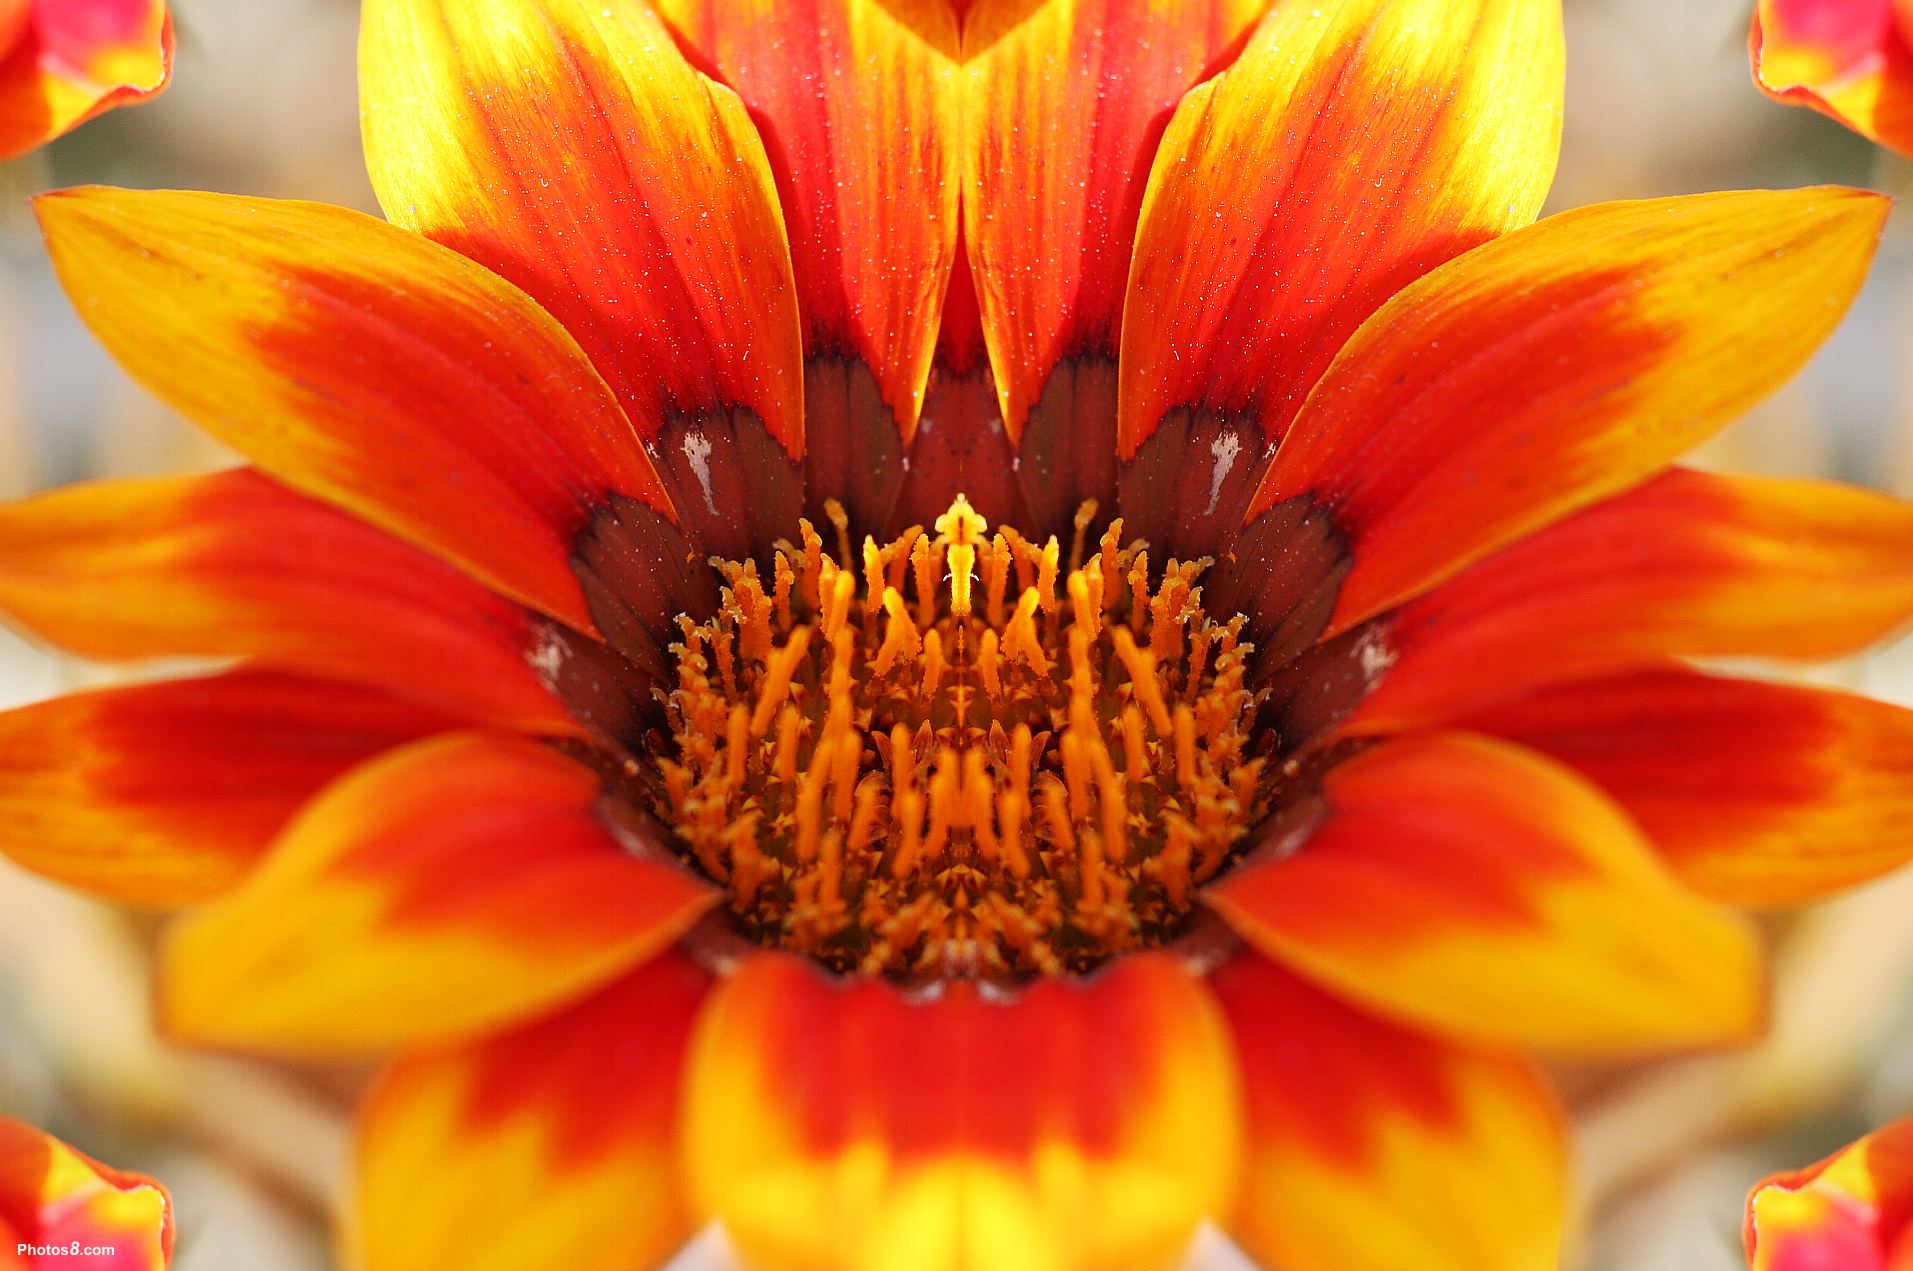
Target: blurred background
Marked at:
1659, 102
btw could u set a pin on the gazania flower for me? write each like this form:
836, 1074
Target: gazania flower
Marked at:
61, 1209
1851, 1212
64, 61
1851, 60
1190, 694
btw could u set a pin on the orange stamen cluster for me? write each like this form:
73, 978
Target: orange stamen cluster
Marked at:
961, 759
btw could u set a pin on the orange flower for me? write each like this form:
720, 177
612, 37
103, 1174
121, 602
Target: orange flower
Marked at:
1851, 60
61, 1209
942, 879
64, 61
1851, 1212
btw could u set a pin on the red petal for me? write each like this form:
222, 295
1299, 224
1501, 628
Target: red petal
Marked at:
55, 1198
445, 890
1475, 889
1851, 1212
65, 61
1372, 1146
1847, 59
573, 1118
1077, 1125
164, 794
232, 565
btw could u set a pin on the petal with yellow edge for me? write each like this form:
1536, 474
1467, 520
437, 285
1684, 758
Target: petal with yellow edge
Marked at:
857, 101
449, 888
1595, 347
572, 1120
1757, 794
1067, 100
840, 1126
1373, 1148
1689, 565
53, 1199
1851, 60
1354, 146
363, 365
234, 566
1471, 887
64, 61
1851, 1212
165, 794
656, 241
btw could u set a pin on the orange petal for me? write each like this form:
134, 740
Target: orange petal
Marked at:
1850, 1212
1354, 146
1476, 889
1370, 1146
1757, 794
232, 565
363, 365
164, 794
1558, 365
1067, 102
835, 1126
1849, 59
1689, 565
568, 146
65, 61
571, 1121
53, 1198
858, 104
448, 888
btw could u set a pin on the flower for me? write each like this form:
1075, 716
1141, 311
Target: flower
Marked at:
1851, 60
941, 879
61, 1209
64, 61
1850, 1212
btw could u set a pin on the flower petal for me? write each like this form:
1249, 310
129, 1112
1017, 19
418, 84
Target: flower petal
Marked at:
1369, 1146
232, 565
448, 888
63, 63
649, 229
1850, 61
573, 1118
857, 103
1354, 146
1850, 1212
1757, 794
1067, 102
1595, 347
51, 1195
363, 365
164, 794
1474, 888
1689, 565
845, 1126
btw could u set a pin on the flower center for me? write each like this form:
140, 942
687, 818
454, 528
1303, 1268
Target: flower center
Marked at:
961, 758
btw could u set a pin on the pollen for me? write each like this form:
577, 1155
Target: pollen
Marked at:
956, 754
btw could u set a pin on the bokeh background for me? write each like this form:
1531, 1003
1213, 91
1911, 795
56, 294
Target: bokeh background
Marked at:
1659, 102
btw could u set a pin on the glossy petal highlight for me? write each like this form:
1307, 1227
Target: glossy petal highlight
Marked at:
53, 1197
1473, 888
234, 566
1373, 1148
571, 1119
1757, 794
363, 365
836, 1126
1689, 565
62, 62
164, 794
655, 235
458, 885
1596, 347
